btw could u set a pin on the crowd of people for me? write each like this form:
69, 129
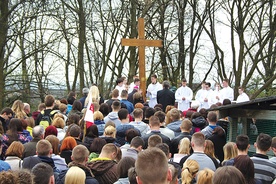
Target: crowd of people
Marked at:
170, 139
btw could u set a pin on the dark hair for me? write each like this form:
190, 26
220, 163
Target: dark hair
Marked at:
212, 116
137, 141
246, 166
92, 131
242, 142
73, 119
77, 105
203, 112
164, 147
122, 114
166, 84
264, 141
149, 112
15, 126
104, 109
219, 131
49, 100
7, 110
132, 176
226, 102
161, 115
119, 80
97, 145
74, 130
136, 80
154, 75
64, 101
130, 134
44, 168
124, 165
228, 174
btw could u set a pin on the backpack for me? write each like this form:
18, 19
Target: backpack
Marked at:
46, 119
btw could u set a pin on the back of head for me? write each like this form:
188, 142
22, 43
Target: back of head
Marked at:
47, 171
80, 153
149, 112
166, 84
49, 100
154, 121
7, 111
138, 113
77, 105
154, 140
186, 125
147, 163
229, 150
75, 130
198, 139
8, 177
264, 142
130, 134
246, 166
123, 114
124, 165
229, 175
242, 142
212, 117
38, 131
124, 94
24, 176
110, 131
43, 148
54, 142
175, 115
62, 107
85, 91
184, 146
161, 115
116, 105
97, 145
109, 148
75, 175
205, 176
190, 168
273, 144
115, 93
98, 115
50, 130
15, 149
136, 142
132, 175
226, 102
68, 143
164, 147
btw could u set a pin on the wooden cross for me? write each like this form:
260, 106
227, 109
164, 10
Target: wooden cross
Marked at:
141, 43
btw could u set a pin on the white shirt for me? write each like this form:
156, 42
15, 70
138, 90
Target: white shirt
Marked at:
217, 93
183, 92
152, 93
207, 94
130, 87
242, 98
227, 93
120, 88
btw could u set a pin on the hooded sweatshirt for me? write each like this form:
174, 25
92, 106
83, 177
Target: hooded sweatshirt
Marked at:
113, 116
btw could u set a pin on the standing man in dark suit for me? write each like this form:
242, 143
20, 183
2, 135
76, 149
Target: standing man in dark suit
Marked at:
165, 96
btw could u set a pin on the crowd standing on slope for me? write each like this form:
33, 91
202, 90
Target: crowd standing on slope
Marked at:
168, 139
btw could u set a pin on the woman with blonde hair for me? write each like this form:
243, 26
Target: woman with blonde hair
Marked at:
230, 151
210, 150
75, 175
205, 176
93, 95
183, 149
59, 123
14, 154
18, 109
109, 134
189, 171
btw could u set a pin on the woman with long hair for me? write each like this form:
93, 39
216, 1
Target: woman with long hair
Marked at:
14, 155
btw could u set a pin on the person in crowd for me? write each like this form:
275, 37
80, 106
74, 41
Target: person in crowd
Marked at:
242, 144
24, 176
184, 149
165, 96
198, 145
148, 112
114, 97
4, 166
75, 132
62, 110
113, 116
227, 92
246, 166
124, 99
59, 123
79, 159
14, 133
96, 148
174, 174
212, 120
219, 140
8, 177
135, 82
265, 170
120, 86
14, 154
132, 176
138, 98
99, 122
93, 96
75, 175
50, 130
91, 133
70, 99
130, 134
152, 89
185, 127
194, 108
76, 109
200, 93
85, 92
205, 176
58, 161
243, 97
104, 109
30, 125
273, 148
6, 115
138, 123
122, 168
163, 129
210, 150
183, 96
154, 124
109, 134
230, 151
217, 98
229, 175
43, 174
136, 146
189, 171
175, 123
18, 109
153, 141
48, 112
123, 127
66, 148
29, 148
27, 109
105, 167
146, 167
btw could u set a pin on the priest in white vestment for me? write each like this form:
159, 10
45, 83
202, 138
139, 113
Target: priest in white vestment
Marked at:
183, 96
152, 90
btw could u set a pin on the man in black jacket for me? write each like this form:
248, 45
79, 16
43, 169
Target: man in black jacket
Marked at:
165, 96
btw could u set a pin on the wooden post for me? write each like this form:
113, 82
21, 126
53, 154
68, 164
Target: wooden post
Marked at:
141, 43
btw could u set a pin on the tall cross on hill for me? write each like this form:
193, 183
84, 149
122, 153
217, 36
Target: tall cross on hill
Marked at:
141, 43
